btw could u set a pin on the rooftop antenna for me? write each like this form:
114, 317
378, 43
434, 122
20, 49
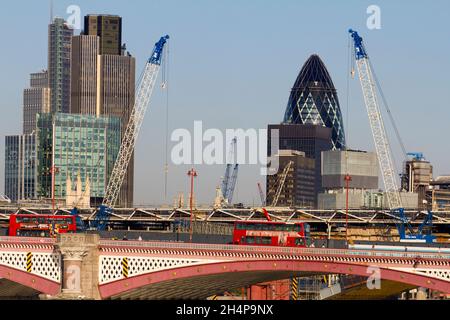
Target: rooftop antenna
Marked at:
51, 11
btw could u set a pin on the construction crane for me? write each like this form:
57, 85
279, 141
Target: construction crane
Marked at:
418, 156
144, 93
368, 85
231, 174
261, 195
281, 182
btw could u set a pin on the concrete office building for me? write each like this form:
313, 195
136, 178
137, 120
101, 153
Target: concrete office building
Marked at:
363, 193
39, 79
361, 166
84, 77
109, 29
299, 187
310, 139
36, 99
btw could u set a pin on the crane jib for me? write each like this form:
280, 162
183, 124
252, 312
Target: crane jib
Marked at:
126, 150
382, 147
360, 51
157, 52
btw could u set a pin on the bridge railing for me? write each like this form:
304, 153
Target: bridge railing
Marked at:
272, 250
27, 240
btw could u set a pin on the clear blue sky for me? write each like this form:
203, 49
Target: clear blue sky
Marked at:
233, 64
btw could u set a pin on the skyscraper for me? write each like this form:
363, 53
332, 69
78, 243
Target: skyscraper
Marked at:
84, 78
312, 120
117, 86
36, 99
314, 100
59, 50
109, 29
116, 98
103, 80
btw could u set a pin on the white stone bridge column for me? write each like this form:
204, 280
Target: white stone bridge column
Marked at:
80, 266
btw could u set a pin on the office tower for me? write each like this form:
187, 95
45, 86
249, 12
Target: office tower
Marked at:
84, 77
109, 29
39, 79
116, 98
36, 99
310, 139
103, 80
76, 144
20, 167
117, 86
59, 50
299, 187
314, 100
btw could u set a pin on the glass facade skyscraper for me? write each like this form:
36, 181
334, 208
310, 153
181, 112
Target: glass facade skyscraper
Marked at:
73, 143
314, 101
20, 167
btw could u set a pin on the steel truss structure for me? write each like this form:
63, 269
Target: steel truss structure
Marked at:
217, 215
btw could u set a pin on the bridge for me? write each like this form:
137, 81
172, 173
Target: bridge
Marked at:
229, 215
83, 266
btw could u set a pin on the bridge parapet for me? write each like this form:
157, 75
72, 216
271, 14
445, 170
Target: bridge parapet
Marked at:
178, 248
96, 269
31, 262
120, 260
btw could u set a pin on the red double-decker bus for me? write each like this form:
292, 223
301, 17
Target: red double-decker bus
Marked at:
28, 225
269, 233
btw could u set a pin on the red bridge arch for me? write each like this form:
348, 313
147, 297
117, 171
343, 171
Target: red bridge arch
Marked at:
181, 282
30, 280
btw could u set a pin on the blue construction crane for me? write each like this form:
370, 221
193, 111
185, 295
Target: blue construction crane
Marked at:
143, 95
416, 155
368, 85
423, 233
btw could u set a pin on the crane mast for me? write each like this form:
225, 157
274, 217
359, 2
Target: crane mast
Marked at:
144, 93
376, 122
231, 174
282, 180
261, 194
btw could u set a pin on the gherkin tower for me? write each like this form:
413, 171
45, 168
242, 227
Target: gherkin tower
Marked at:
314, 100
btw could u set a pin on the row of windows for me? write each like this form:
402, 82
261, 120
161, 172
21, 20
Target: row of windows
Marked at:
43, 220
269, 227
256, 240
268, 241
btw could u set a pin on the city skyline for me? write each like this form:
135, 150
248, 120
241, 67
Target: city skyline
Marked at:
255, 83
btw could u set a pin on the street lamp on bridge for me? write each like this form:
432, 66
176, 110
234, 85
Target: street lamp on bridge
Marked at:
193, 174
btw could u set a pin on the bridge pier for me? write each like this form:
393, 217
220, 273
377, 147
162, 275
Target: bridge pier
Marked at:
80, 266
